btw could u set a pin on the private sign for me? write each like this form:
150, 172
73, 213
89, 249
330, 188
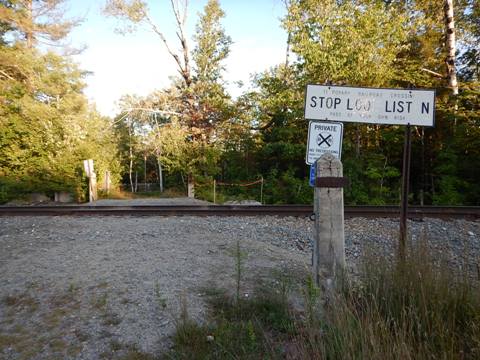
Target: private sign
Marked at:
324, 137
368, 105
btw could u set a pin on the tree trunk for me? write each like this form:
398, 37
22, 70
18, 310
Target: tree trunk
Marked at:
357, 141
29, 29
130, 153
160, 175
450, 43
145, 173
130, 171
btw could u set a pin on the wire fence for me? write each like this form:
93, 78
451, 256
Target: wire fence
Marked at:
252, 183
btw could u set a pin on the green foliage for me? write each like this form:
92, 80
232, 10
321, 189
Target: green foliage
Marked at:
212, 44
47, 128
286, 188
372, 180
195, 127
346, 42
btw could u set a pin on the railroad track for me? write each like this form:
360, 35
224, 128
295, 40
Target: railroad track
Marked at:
415, 212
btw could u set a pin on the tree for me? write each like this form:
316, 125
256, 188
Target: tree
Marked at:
212, 44
354, 42
202, 96
140, 128
470, 58
37, 20
212, 48
451, 46
46, 125
198, 98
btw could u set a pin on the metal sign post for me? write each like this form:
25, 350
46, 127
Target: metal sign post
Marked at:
407, 151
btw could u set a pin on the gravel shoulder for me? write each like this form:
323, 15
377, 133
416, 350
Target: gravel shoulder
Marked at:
94, 287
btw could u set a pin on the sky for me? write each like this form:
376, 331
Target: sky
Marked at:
138, 63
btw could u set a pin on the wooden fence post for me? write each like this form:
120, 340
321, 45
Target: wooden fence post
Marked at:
329, 246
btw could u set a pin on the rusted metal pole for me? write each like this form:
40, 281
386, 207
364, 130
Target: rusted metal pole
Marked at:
407, 150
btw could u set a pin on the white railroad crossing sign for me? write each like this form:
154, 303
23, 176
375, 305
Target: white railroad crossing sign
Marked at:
324, 137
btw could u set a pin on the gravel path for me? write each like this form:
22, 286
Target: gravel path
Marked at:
96, 287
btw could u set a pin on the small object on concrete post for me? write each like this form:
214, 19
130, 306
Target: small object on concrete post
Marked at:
329, 245
190, 186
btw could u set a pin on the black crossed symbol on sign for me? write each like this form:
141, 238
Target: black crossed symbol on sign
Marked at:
324, 140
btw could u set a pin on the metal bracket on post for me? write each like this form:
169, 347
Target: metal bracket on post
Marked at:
331, 182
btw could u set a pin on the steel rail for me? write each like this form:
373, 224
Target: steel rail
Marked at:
414, 212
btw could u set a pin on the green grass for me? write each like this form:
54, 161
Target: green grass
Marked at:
244, 328
415, 309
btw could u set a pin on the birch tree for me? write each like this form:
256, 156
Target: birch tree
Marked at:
451, 46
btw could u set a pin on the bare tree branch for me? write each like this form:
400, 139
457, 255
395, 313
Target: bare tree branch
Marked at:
6, 75
433, 73
183, 40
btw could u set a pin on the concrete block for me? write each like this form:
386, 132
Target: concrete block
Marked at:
63, 197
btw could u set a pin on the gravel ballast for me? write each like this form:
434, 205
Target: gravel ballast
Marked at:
97, 287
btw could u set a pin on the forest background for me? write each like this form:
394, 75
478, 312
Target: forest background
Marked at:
194, 127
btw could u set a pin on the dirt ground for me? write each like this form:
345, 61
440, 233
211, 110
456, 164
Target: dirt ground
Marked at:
96, 287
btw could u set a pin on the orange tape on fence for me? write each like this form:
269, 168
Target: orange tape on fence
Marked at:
239, 184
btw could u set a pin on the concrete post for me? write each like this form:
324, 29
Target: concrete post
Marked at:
92, 180
190, 186
329, 247
92, 188
107, 182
